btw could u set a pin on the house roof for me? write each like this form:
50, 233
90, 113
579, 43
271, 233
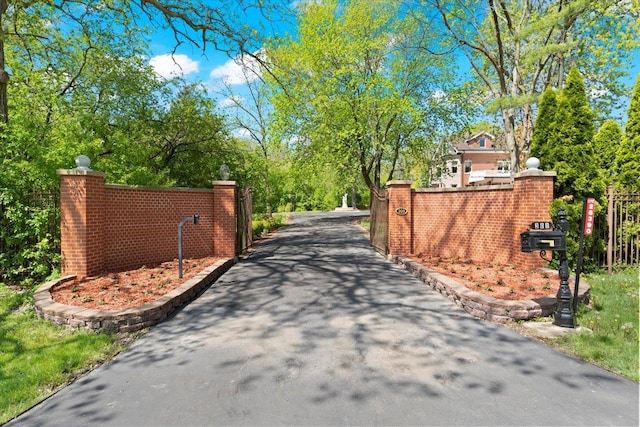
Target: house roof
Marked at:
463, 145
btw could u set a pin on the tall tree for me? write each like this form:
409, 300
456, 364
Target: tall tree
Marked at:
353, 81
628, 155
517, 49
572, 143
190, 140
606, 144
252, 114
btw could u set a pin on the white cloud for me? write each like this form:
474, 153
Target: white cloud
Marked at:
231, 101
242, 133
238, 71
174, 65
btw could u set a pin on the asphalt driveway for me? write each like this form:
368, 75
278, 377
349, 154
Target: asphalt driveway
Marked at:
316, 328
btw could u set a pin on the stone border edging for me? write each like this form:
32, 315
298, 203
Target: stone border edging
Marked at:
484, 306
131, 319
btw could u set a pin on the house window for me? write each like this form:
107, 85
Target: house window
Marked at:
453, 167
467, 166
504, 165
483, 142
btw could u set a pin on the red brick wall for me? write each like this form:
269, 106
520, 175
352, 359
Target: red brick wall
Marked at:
115, 227
477, 223
142, 225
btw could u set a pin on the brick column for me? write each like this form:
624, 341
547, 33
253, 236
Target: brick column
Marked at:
224, 219
82, 222
532, 196
400, 217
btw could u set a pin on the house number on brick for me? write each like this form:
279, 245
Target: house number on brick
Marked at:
401, 211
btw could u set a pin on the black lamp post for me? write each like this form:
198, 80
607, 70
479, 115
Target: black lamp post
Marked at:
564, 315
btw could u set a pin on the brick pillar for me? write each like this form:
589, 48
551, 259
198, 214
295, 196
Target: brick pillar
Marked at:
224, 219
400, 217
532, 196
82, 222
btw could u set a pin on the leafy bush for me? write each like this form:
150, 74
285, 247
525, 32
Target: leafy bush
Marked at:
29, 236
263, 224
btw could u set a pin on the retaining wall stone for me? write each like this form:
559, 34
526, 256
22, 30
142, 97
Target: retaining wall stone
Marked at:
484, 306
128, 320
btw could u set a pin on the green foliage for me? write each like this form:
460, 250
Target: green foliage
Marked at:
607, 142
350, 88
263, 224
544, 128
628, 154
612, 315
571, 152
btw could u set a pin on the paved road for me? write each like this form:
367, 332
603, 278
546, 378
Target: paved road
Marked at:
315, 328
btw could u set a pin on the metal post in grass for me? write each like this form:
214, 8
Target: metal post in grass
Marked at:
194, 219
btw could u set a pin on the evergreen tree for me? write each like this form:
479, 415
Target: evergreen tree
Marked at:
606, 144
540, 143
628, 155
571, 143
571, 151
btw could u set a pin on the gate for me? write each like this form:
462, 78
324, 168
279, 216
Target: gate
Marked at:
244, 235
379, 228
623, 219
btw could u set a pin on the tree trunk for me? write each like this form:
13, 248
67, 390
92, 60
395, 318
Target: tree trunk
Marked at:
508, 119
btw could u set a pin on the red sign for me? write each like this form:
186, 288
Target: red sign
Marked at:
589, 215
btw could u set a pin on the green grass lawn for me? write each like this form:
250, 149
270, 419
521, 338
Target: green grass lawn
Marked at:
36, 357
612, 316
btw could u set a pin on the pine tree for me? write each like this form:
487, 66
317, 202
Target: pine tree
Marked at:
606, 144
571, 143
628, 155
540, 143
572, 152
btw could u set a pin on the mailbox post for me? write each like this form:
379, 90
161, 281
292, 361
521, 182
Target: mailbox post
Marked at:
544, 236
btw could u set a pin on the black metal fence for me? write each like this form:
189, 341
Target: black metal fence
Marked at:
623, 228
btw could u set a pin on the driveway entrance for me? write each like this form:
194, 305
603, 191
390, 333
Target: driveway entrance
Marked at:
316, 328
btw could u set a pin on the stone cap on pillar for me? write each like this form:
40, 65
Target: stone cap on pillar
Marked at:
533, 172
214, 183
398, 182
80, 172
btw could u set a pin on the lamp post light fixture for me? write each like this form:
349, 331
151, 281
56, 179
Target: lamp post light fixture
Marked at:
224, 172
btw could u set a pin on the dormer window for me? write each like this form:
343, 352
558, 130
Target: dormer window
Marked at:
482, 141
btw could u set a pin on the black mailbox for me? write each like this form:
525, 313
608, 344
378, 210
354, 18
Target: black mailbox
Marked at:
546, 236
543, 241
